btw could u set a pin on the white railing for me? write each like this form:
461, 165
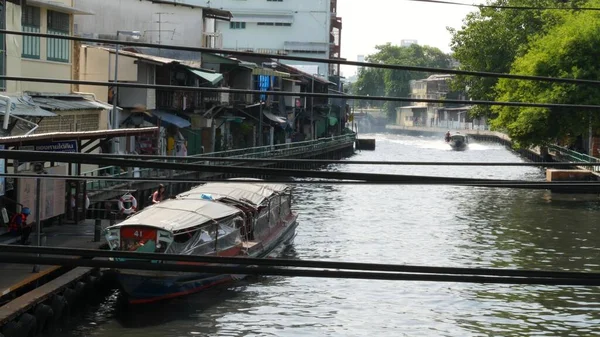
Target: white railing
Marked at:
212, 40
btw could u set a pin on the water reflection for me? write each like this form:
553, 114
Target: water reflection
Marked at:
428, 225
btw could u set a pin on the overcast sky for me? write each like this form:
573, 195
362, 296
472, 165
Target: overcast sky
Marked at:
369, 23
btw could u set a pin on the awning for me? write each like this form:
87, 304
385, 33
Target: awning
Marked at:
213, 78
57, 6
171, 119
269, 72
23, 106
69, 104
274, 118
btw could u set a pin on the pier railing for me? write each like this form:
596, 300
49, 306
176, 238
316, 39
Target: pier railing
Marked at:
567, 155
280, 150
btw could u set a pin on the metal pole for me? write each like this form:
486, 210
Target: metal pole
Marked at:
97, 230
312, 112
260, 126
115, 124
591, 140
38, 208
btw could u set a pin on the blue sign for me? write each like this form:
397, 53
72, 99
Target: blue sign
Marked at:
60, 146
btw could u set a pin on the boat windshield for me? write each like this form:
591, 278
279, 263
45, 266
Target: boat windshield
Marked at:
207, 239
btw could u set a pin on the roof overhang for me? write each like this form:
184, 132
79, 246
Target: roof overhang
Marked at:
80, 135
269, 72
217, 14
211, 77
57, 6
24, 106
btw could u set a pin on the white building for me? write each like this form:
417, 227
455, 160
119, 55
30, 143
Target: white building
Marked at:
308, 28
407, 43
165, 22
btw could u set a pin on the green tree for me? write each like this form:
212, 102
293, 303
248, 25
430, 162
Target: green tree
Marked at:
395, 83
491, 39
569, 50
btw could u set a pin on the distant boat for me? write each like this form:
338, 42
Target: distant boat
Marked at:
457, 141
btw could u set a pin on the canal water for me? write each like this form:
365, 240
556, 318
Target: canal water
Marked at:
419, 225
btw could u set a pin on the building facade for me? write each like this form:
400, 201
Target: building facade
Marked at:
309, 28
170, 23
32, 56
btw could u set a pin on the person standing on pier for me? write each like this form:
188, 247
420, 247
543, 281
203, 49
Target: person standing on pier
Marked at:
159, 194
18, 225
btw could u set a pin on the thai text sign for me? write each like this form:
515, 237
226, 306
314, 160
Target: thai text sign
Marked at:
60, 146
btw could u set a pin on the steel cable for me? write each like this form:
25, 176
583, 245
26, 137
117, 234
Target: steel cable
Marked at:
306, 59
247, 261
276, 271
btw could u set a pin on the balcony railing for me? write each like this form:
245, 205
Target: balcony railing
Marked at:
175, 100
212, 40
275, 151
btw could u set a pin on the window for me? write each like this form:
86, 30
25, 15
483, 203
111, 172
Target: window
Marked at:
59, 50
30, 22
283, 24
237, 25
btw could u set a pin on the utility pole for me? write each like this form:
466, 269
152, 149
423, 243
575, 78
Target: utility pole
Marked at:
160, 14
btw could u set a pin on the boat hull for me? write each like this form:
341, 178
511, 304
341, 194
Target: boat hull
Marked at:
458, 145
151, 286
458, 142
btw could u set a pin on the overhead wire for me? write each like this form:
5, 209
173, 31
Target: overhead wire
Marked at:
342, 162
278, 271
443, 2
278, 262
99, 159
331, 177
533, 185
299, 94
308, 59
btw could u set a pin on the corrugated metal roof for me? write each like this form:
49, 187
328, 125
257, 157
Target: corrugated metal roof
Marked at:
213, 78
24, 106
179, 214
68, 104
77, 135
150, 58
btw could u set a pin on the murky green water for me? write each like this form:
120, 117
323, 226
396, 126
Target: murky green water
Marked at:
428, 225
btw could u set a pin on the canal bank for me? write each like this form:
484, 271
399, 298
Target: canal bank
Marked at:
551, 153
43, 302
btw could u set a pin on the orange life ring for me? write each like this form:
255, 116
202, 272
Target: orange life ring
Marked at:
130, 199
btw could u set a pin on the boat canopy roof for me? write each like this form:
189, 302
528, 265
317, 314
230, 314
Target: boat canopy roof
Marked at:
179, 214
246, 190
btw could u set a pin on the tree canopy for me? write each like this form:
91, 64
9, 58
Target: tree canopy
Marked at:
395, 83
557, 43
569, 49
491, 39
